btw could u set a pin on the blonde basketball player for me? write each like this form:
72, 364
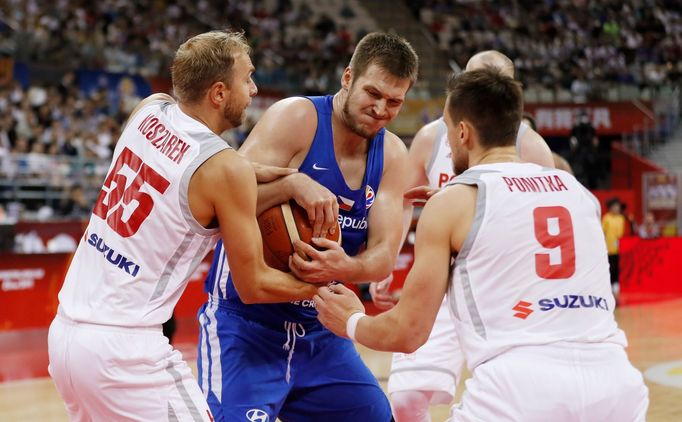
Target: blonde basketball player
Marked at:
529, 289
172, 178
430, 375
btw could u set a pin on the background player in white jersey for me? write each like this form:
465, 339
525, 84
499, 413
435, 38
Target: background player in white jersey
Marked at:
529, 289
430, 375
171, 181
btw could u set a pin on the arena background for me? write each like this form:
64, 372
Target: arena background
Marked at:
71, 71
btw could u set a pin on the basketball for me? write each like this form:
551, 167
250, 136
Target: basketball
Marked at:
280, 226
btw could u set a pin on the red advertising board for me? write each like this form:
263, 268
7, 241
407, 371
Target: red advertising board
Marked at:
612, 118
29, 284
649, 269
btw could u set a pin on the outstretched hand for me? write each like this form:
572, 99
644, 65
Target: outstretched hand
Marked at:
420, 194
382, 298
334, 304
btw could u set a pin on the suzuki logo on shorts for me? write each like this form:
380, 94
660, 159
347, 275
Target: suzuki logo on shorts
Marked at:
257, 415
522, 309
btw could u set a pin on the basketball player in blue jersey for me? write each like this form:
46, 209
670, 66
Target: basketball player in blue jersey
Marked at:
259, 362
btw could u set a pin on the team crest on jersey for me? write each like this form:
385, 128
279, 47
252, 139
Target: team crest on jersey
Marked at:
369, 196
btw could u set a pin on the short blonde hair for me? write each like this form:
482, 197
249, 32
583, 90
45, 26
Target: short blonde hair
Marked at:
203, 60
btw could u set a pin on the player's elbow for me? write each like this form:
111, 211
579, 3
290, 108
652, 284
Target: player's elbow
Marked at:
410, 340
412, 343
248, 288
249, 298
248, 295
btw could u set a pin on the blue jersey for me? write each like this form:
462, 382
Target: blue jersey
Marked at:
354, 205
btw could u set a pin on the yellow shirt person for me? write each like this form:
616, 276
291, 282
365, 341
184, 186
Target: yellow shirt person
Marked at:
613, 225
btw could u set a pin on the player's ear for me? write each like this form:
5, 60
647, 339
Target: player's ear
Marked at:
467, 133
463, 132
218, 93
346, 78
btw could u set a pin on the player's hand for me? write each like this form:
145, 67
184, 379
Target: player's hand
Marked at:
266, 173
420, 194
319, 266
381, 297
335, 304
319, 202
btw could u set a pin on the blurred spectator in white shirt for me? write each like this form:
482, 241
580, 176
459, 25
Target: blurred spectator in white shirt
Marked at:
649, 229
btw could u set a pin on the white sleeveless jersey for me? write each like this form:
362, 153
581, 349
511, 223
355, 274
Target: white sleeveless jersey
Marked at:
439, 170
142, 242
533, 269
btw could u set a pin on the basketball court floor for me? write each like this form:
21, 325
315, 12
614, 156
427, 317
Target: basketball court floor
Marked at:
654, 331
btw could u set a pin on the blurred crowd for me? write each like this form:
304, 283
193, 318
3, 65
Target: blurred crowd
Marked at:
577, 45
292, 45
63, 135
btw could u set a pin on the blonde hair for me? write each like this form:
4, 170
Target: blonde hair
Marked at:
203, 60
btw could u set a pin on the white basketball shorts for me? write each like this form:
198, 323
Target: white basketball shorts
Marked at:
560, 382
109, 373
436, 366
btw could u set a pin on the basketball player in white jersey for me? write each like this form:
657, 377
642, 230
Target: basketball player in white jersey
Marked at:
172, 179
430, 375
529, 289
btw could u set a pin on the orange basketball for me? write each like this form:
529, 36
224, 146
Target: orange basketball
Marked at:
280, 226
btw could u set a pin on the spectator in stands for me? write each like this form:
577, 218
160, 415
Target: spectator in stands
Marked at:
613, 224
649, 229
585, 151
75, 205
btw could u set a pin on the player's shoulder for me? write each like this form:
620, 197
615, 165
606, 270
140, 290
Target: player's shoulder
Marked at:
226, 167
534, 149
394, 147
431, 129
290, 123
292, 109
425, 139
157, 98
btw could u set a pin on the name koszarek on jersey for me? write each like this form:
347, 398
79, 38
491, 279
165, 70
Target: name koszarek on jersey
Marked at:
112, 256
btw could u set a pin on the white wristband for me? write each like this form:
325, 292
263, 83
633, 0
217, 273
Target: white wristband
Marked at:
352, 324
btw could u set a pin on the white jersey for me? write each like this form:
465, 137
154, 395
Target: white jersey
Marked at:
439, 171
533, 269
142, 242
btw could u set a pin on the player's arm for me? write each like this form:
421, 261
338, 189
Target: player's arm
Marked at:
282, 137
441, 230
225, 186
383, 238
418, 158
535, 150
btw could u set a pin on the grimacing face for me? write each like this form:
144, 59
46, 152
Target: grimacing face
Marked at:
373, 100
241, 90
460, 155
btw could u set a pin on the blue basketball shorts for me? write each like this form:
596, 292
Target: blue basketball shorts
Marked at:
250, 371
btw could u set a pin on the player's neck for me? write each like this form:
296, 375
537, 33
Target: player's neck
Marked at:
346, 142
494, 155
195, 112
